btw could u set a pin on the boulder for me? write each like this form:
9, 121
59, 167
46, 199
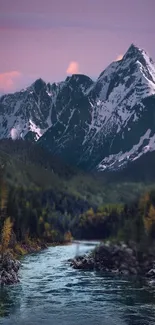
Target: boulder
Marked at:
9, 268
123, 245
129, 251
133, 270
125, 272
151, 273
118, 259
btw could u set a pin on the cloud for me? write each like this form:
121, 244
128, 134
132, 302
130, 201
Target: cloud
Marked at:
8, 81
119, 57
73, 67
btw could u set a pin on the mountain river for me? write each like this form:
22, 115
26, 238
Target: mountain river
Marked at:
52, 293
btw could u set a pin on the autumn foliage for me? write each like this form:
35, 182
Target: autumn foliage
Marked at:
6, 235
147, 205
6, 228
51, 216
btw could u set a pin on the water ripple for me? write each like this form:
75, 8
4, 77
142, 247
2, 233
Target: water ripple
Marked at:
51, 292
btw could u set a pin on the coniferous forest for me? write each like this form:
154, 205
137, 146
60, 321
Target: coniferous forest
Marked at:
44, 201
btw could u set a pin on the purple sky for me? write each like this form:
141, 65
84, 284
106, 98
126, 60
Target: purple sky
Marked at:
50, 38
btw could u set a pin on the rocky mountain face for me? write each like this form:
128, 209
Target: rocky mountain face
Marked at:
101, 124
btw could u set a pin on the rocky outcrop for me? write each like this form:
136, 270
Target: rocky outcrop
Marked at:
118, 259
9, 268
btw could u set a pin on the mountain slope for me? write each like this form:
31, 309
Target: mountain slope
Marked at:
116, 116
30, 167
100, 124
28, 111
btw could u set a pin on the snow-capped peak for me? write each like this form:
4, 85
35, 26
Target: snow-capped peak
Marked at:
89, 123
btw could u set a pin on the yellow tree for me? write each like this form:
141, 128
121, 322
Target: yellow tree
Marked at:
149, 219
68, 237
90, 212
47, 229
144, 202
6, 235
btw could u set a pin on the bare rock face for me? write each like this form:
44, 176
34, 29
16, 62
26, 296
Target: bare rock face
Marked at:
9, 268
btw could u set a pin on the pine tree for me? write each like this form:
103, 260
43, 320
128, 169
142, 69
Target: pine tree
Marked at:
3, 199
3, 196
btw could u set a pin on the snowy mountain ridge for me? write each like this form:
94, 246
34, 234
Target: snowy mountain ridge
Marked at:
100, 124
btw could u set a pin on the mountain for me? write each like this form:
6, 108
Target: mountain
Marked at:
28, 111
94, 125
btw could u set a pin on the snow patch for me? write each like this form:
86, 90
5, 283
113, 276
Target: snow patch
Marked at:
35, 129
132, 154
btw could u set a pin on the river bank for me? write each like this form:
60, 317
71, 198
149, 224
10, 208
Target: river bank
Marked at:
10, 263
118, 259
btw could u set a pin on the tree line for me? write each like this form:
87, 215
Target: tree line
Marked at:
54, 217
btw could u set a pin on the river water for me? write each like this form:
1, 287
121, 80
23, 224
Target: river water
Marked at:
52, 293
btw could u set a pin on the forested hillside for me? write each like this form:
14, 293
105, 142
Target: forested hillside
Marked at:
44, 199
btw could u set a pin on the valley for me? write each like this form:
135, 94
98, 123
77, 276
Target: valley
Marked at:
77, 163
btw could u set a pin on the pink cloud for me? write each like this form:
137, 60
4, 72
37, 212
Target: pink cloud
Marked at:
73, 67
119, 57
8, 80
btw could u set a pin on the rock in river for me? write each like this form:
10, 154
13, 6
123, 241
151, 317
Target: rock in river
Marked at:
9, 268
118, 259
